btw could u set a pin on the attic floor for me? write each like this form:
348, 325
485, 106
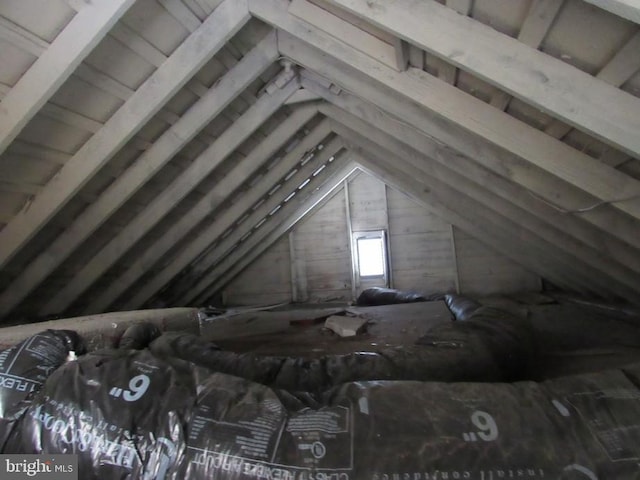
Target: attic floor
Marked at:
571, 337
389, 326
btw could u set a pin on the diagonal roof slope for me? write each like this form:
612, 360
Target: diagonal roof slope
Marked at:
169, 142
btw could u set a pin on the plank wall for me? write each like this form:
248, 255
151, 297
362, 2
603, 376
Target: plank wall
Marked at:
313, 263
267, 281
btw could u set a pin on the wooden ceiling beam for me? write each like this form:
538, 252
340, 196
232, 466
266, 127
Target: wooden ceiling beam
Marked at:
446, 71
213, 156
139, 45
357, 38
550, 84
463, 7
207, 264
301, 96
561, 250
56, 64
540, 17
188, 58
617, 71
402, 54
566, 178
233, 180
456, 209
36, 46
573, 235
144, 168
329, 181
210, 255
628, 9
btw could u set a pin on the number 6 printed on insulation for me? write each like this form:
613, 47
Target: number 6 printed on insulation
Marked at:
138, 386
487, 428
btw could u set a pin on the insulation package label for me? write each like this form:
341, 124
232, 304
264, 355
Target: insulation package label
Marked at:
417, 431
621, 439
242, 430
24, 367
105, 408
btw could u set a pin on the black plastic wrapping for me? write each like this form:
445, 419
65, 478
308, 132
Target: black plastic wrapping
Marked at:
583, 427
189, 424
491, 347
139, 336
25, 367
387, 296
122, 411
461, 307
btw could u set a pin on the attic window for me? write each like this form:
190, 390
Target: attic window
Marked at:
371, 254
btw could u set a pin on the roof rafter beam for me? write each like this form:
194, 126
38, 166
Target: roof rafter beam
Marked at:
359, 39
628, 9
210, 256
144, 168
572, 234
463, 7
560, 89
539, 19
301, 96
233, 180
578, 184
36, 46
188, 58
617, 71
499, 210
218, 253
454, 208
448, 72
294, 211
56, 64
402, 54
213, 156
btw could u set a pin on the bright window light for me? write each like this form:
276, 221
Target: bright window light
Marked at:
371, 256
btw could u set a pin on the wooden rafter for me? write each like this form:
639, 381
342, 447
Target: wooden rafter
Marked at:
294, 211
456, 209
213, 156
511, 148
229, 217
501, 210
547, 188
347, 32
565, 92
301, 96
582, 240
147, 165
616, 72
628, 9
536, 25
217, 255
188, 58
56, 64
232, 181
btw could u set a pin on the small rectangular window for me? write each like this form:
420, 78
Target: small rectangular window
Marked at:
371, 254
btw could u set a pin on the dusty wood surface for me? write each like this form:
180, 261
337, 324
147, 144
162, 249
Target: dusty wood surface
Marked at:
236, 324
389, 326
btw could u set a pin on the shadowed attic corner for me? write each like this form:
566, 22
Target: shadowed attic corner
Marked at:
452, 184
